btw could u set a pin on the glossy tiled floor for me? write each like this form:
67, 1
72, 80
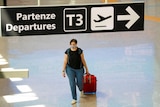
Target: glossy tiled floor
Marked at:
127, 66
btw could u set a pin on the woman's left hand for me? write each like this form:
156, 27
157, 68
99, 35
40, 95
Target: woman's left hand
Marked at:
87, 72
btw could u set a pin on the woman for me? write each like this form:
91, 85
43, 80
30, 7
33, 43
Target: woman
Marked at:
74, 64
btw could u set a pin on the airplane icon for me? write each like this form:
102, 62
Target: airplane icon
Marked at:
102, 18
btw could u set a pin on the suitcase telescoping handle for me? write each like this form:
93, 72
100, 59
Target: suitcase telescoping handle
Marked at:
89, 78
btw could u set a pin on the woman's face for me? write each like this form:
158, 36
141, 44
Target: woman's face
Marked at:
73, 45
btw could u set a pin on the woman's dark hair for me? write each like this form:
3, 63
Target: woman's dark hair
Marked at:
73, 40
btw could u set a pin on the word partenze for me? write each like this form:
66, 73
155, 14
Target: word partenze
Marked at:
33, 16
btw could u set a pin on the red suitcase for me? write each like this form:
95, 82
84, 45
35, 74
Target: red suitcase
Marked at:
89, 84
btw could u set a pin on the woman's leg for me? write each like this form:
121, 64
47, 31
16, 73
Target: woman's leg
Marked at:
79, 76
71, 75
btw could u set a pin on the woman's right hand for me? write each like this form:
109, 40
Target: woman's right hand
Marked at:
63, 74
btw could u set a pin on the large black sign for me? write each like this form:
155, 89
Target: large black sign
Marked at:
72, 19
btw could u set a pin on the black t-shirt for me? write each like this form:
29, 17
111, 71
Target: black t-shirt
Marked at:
74, 58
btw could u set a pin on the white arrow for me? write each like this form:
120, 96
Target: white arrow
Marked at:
132, 17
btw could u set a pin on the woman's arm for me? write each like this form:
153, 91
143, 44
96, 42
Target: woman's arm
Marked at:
64, 64
84, 63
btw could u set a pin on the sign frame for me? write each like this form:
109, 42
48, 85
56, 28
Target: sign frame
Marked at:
122, 19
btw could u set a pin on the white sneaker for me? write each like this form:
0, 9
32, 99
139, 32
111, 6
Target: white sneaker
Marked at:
73, 101
82, 94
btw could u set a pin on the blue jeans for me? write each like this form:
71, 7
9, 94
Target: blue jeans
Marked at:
75, 78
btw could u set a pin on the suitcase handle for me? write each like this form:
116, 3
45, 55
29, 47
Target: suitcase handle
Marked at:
89, 79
